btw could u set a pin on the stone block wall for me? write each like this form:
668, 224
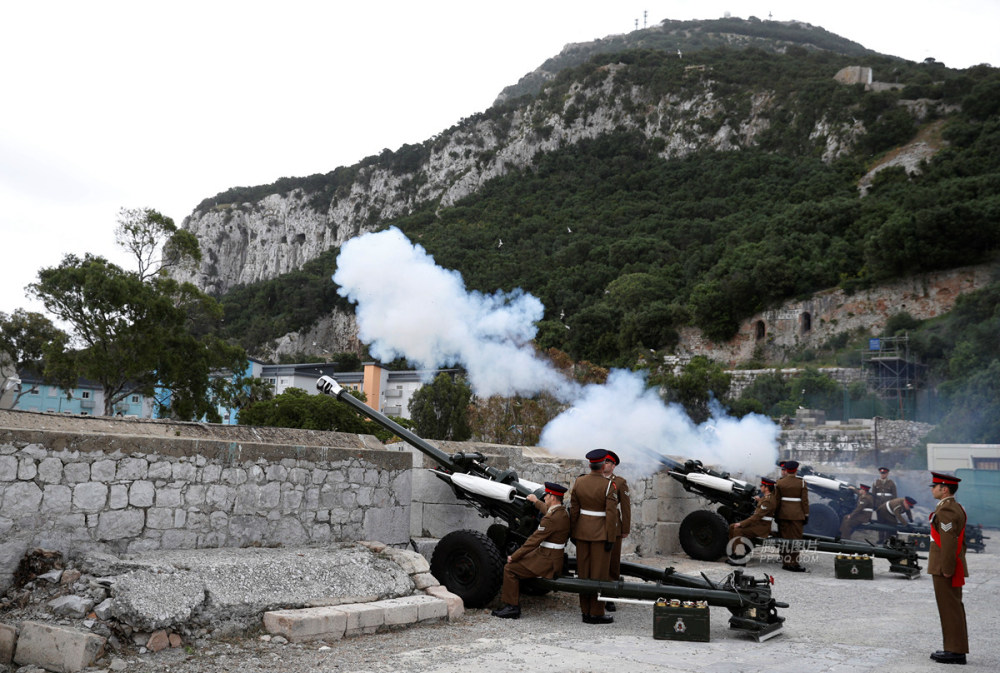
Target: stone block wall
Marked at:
73, 491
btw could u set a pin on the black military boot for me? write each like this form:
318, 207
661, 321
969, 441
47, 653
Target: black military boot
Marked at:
508, 612
609, 606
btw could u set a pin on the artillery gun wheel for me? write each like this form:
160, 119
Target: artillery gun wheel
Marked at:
469, 565
823, 520
704, 535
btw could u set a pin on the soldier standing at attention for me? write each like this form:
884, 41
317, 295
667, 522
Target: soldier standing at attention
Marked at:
862, 513
541, 555
791, 498
624, 519
946, 565
759, 523
884, 490
593, 516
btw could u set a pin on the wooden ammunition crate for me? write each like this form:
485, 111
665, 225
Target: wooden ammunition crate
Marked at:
853, 569
680, 623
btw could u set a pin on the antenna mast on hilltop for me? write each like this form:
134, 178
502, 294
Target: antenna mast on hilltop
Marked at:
644, 14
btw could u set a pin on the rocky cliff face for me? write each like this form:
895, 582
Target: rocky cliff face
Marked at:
248, 242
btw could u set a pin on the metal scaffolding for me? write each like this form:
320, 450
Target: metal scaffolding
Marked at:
890, 372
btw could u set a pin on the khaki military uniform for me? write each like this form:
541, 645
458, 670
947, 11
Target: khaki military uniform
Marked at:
862, 514
791, 509
946, 565
894, 513
883, 490
593, 515
759, 523
541, 555
624, 526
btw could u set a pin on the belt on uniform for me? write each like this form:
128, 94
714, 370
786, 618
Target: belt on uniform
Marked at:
793, 499
867, 509
767, 518
883, 494
553, 545
590, 512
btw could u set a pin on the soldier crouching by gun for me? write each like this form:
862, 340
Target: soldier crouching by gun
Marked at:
759, 523
862, 513
541, 555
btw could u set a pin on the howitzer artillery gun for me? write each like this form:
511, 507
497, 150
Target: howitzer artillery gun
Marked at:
704, 534
841, 497
470, 564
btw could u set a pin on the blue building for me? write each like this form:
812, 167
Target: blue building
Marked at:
86, 398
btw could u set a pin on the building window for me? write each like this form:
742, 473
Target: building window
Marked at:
135, 399
34, 391
85, 395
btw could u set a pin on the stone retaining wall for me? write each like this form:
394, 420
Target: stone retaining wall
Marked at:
75, 490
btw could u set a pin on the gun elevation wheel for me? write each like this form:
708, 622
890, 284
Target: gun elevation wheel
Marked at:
469, 565
822, 520
704, 535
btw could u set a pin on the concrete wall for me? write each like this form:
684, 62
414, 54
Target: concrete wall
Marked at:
853, 444
168, 486
951, 457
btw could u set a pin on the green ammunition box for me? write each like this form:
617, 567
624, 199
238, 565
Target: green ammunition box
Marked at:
849, 568
680, 623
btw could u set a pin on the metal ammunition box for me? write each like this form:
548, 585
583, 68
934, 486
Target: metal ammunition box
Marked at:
849, 568
680, 623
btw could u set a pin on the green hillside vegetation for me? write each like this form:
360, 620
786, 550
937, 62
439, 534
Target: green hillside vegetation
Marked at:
623, 246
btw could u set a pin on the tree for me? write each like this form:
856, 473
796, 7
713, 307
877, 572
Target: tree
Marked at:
295, 408
699, 382
512, 420
440, 410
132, 335
145, 233
238, 392
24, 336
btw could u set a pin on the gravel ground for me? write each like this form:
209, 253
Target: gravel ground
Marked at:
889, 624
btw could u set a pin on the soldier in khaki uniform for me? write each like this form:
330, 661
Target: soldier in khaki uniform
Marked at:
896, 512
624, 519
791, 511
593, 515
862, 513
757, 524
946, 565
883, 490
541, 555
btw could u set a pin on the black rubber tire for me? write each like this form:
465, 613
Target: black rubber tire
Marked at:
822, 520
469, 565
704, 535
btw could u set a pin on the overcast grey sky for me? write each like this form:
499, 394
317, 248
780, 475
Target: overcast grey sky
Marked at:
133, 104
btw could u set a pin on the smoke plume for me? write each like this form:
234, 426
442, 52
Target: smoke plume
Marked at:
408, 306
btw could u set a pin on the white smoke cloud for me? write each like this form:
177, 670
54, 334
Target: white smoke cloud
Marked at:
625, 416
408, 306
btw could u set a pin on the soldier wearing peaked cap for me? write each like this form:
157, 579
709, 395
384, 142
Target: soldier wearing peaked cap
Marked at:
862, 513
883, 490
541, 555
757, 524
896, 512
946, 565
791, 511
624, 519
593, 516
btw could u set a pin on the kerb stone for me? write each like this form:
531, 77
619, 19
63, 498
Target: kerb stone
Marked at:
325, 623
456, 606
363, 618
409, 609
57, 648
8, 637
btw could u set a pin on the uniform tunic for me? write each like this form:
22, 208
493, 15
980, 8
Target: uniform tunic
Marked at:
593, 515
534, 559
883, 490
791, 508
759, 523
894, 512
624, 525
862, 514
946, 565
